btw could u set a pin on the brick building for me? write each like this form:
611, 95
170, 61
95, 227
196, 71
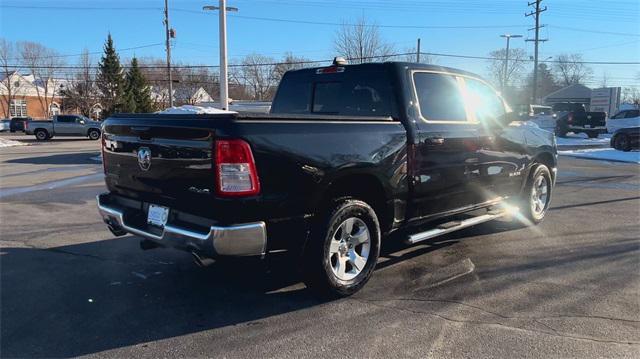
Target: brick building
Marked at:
25, 96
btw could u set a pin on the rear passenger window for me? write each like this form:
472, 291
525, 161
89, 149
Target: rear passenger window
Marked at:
439, 97
326, 97
484, 102
632, 114
66, 119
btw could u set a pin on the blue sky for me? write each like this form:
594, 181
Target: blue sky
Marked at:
601, 30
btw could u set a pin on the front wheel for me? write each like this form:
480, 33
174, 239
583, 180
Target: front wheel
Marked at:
621, 143
537, 195
343, 249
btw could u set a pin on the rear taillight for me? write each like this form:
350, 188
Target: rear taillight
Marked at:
236, 173
570, 118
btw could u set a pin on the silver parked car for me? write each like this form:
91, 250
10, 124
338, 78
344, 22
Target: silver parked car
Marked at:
5, 125
64, 125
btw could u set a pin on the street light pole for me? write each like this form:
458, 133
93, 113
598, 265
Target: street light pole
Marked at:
506, 60
167, 31
224, 85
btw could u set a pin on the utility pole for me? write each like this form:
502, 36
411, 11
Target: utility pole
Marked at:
224, 85
537, 40
168, 34
418, 52
506, 61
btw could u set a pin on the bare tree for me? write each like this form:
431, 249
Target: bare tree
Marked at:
289, 62
44, 64
361, 42
515, 67
81, 92
9, 88
631, 95
259, 75
605, 79
571, 70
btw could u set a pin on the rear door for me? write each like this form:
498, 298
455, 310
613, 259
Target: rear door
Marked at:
65, 125
445, 160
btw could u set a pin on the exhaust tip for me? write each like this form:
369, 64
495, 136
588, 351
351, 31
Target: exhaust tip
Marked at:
202, 261
115, 230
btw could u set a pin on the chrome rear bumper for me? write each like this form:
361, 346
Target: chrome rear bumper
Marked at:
249, 239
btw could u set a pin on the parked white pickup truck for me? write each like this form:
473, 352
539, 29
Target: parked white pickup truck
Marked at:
63, 125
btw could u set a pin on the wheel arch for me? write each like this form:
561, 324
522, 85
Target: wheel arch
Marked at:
366, 187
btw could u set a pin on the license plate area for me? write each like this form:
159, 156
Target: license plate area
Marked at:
157, 215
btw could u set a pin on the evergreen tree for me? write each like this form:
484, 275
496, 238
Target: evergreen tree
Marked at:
110, 80
137, 92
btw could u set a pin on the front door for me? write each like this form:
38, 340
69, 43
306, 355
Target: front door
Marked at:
502, 155
445, 163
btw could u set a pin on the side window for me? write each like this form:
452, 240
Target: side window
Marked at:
484, 101
632, 114
326, 97
66, 119
439, 97
620, 115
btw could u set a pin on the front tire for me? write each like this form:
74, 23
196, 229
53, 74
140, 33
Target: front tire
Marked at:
621, 142
537, 195
343, 249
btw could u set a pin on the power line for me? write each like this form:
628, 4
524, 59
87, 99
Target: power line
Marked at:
305, 62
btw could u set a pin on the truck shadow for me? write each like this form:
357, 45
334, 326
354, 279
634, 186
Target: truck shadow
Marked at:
86, 298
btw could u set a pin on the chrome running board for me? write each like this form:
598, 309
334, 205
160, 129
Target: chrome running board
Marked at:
457, 225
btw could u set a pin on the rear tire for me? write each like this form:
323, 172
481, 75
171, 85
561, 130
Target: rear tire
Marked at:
94, 134
343, 249
536, 196
41, 135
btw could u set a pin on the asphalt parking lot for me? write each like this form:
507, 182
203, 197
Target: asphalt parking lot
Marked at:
567, 288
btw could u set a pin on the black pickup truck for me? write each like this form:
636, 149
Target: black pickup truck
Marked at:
348, 154
579, 120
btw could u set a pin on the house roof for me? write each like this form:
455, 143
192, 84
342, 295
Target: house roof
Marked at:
571, 93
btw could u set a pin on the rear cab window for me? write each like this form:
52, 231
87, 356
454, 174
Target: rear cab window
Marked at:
354, 91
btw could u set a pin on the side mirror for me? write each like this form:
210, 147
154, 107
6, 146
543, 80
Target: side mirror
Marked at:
82, 122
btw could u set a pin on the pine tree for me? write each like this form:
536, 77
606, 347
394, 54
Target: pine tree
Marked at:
137, 92
110, 80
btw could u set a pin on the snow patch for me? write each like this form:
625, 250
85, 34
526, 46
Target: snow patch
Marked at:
10, 143
606, 154
581, 139
192, 110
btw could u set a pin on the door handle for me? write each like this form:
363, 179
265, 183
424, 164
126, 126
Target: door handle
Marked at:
435, 141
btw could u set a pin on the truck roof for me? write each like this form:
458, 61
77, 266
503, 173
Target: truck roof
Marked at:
395, 64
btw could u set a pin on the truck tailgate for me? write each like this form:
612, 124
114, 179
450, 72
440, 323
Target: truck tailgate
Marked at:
148, 157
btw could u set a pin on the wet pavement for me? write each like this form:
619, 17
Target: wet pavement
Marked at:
567, 288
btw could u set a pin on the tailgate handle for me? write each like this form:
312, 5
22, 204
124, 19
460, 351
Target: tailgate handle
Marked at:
139, 130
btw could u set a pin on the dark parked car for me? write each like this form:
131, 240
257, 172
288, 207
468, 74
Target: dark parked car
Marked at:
348, 154
17, 124
626, 139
